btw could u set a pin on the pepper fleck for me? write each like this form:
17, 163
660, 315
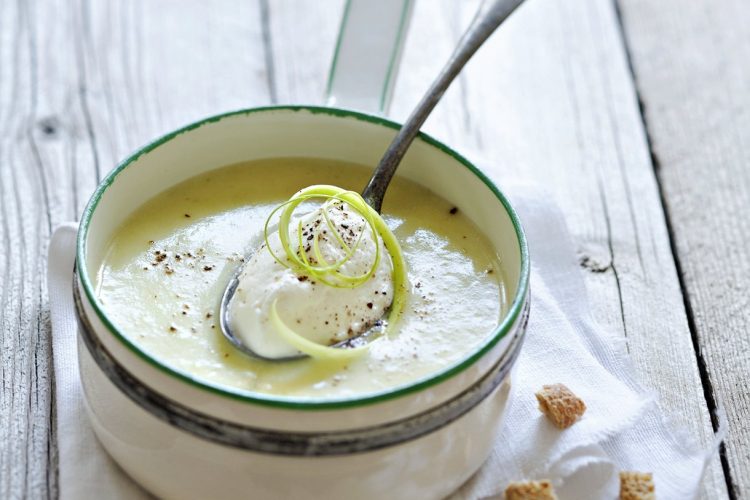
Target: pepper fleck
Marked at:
187, 215
453, 211
369, 305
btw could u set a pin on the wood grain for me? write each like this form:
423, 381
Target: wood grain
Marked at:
694, 80
82, 84
549, 99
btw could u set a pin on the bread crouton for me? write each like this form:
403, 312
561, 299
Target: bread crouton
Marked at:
636, 486
530, 490
560, 405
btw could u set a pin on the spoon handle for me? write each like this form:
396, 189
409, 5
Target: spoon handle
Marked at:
490, 15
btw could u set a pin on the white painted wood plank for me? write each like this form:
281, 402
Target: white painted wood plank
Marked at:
550, 100
81, 85
26, 438
691, 65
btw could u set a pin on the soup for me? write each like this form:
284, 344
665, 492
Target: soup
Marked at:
166, 268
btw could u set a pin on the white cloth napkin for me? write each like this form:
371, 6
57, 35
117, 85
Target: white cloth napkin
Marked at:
85, 469
623, 428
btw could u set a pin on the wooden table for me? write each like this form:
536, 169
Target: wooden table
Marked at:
633, 113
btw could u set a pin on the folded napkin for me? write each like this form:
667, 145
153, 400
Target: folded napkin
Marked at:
623, 428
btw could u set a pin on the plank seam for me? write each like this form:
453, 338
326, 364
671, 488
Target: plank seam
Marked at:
83, 92
612, 265
708, 390
265, 21
31, 122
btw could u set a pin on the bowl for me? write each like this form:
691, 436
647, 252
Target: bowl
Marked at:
181, 437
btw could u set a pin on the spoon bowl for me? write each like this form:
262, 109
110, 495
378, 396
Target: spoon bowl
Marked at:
228, 332
226, 327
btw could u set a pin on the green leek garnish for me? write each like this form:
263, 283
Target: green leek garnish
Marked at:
329, 273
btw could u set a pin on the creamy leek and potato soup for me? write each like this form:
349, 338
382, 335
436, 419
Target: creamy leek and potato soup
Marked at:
167, 266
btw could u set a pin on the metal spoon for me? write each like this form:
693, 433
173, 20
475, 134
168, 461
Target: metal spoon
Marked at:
490, 15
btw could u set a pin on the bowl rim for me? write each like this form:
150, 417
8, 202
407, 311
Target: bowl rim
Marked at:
287, 402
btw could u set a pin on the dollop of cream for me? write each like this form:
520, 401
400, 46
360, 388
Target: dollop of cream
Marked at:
317, 311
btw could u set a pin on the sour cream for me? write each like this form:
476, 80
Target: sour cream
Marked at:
317, 311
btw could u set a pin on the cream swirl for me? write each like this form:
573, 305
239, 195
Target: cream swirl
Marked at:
316, 311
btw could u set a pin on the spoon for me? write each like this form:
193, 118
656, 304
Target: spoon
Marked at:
490, 15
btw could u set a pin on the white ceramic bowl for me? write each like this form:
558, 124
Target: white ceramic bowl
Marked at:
181, 437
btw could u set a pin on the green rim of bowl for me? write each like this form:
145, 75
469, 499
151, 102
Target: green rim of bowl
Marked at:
300, 403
